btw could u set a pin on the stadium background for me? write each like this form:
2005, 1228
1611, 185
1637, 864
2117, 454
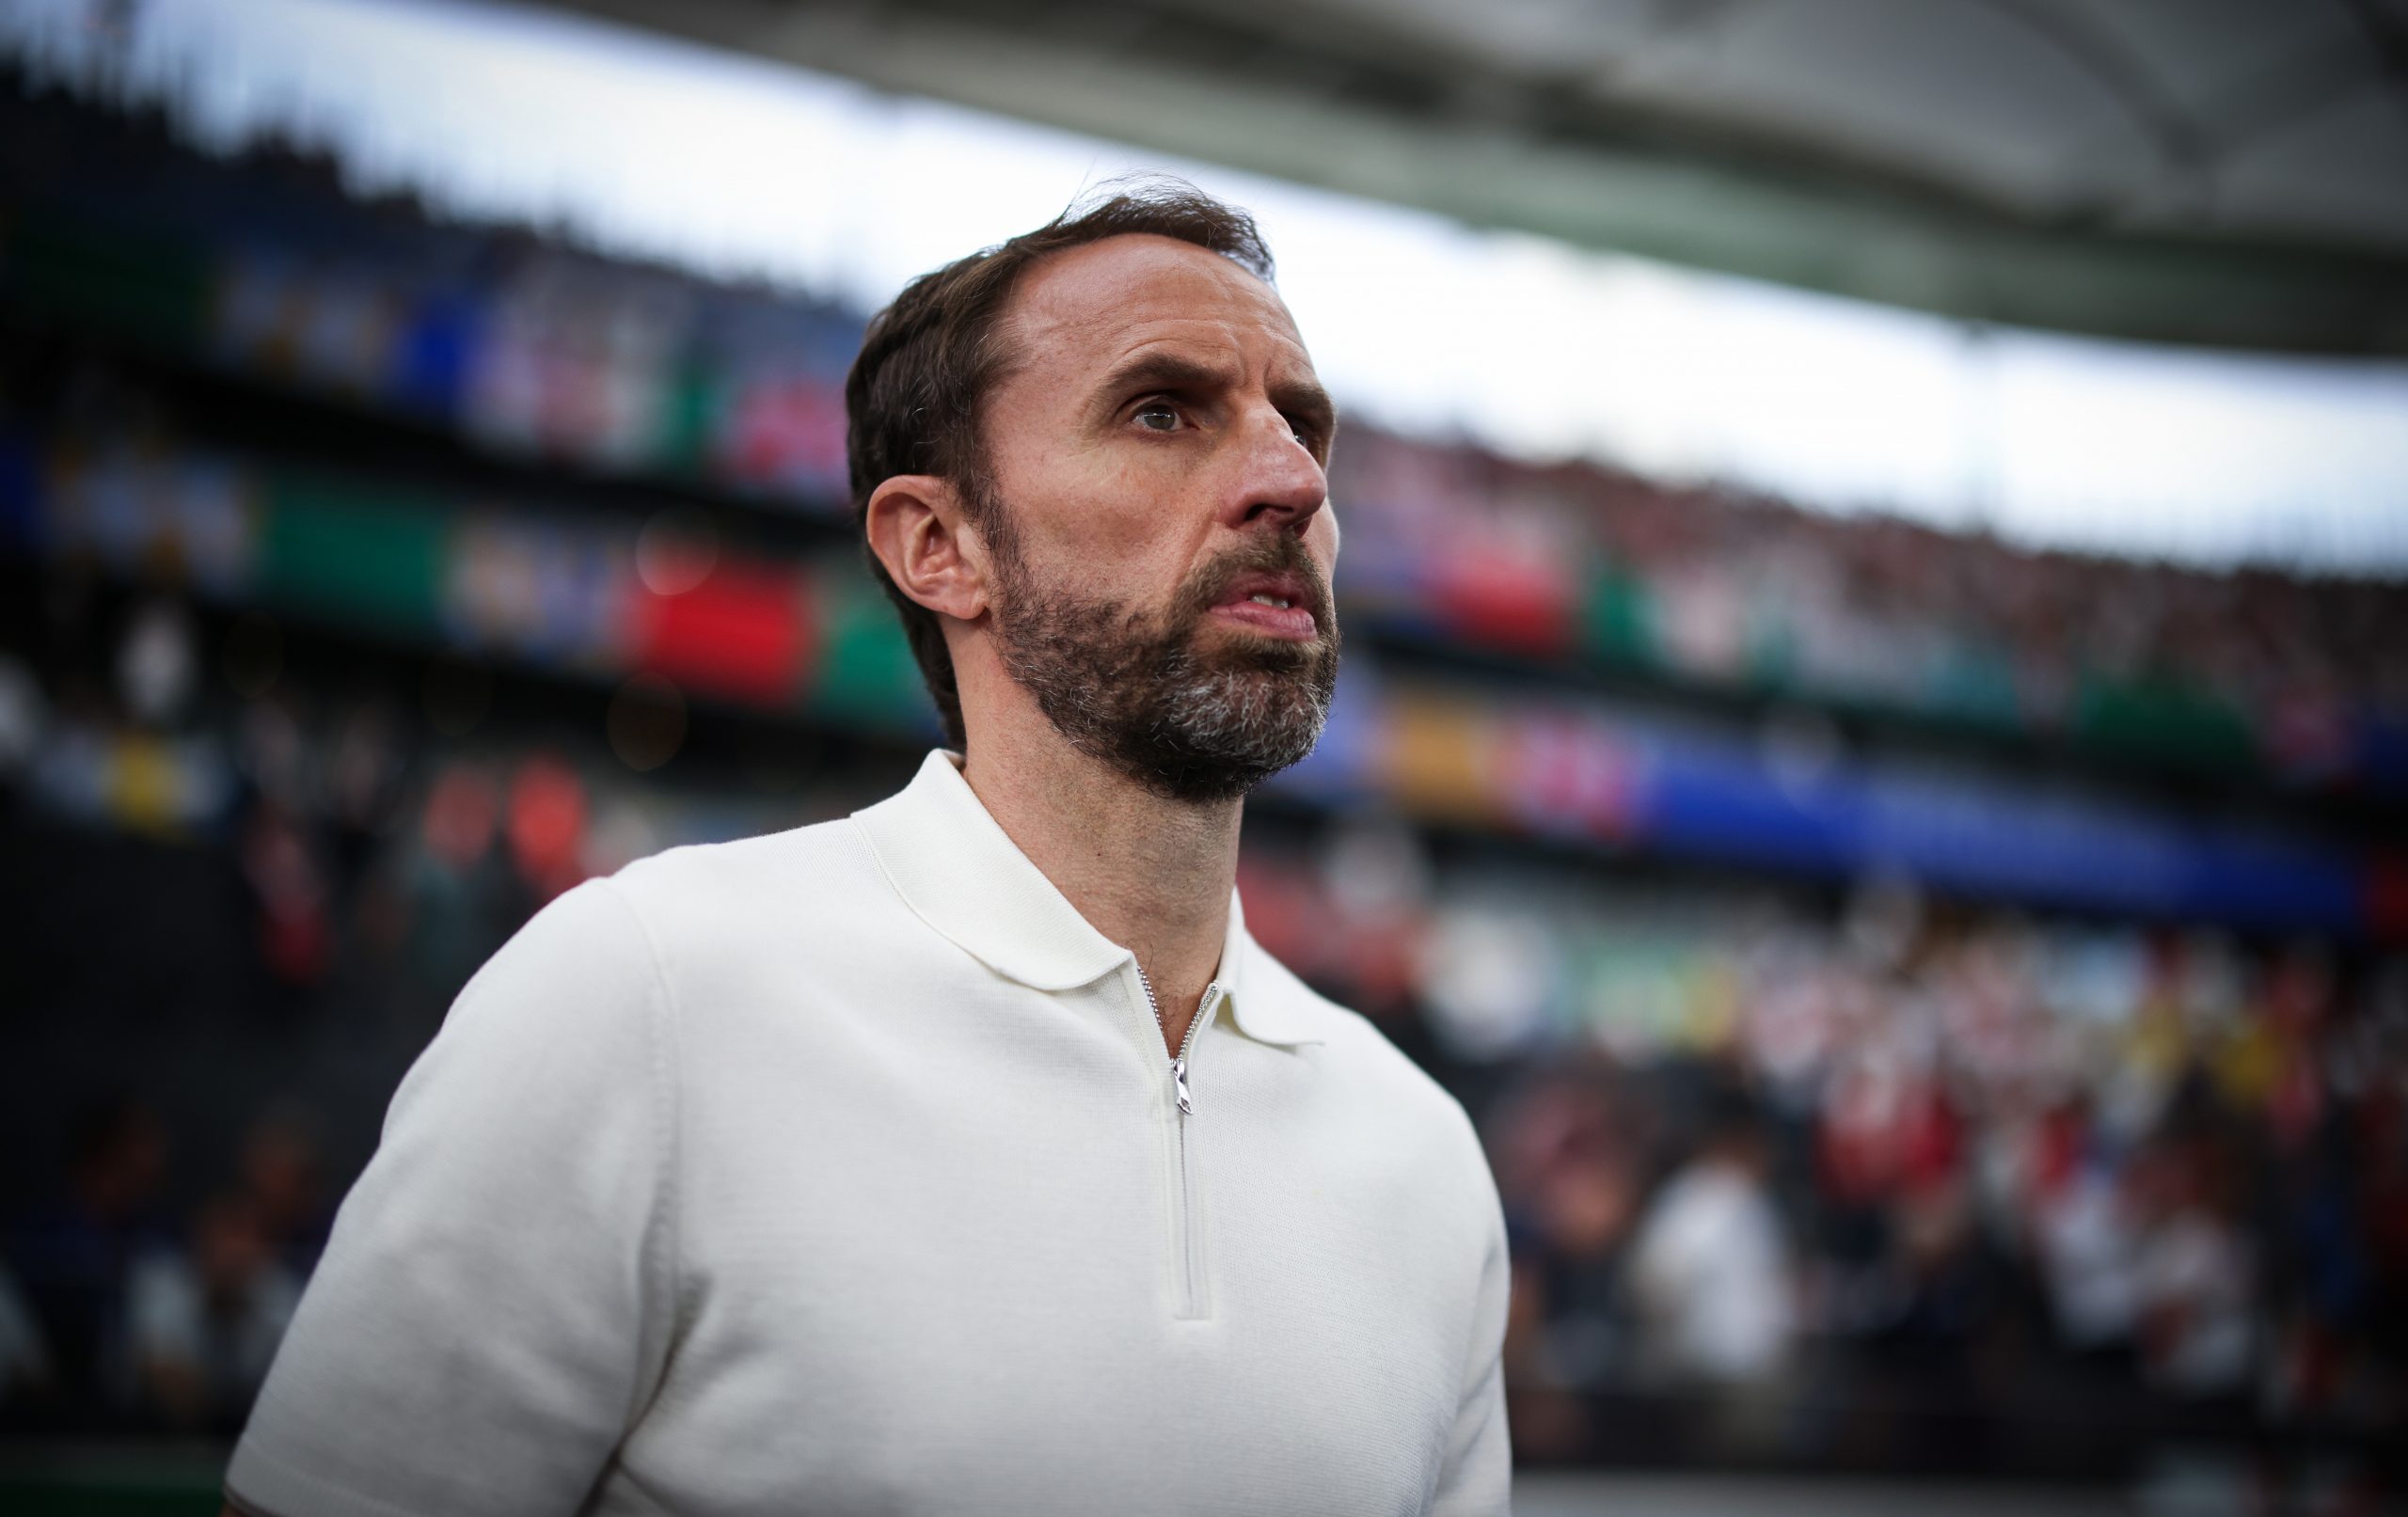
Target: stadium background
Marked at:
1935, 1003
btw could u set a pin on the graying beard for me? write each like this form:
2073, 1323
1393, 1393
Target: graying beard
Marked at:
1138, 702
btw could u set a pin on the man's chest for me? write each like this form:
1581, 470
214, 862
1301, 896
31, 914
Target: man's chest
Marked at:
1006, 1262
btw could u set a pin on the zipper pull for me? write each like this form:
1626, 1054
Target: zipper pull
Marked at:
1179, 1086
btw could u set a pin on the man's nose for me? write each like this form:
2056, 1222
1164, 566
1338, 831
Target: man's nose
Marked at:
1281, 483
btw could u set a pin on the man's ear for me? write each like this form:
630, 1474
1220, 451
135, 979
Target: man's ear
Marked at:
917, 529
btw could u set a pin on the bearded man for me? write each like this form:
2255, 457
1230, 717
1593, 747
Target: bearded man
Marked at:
966, 1154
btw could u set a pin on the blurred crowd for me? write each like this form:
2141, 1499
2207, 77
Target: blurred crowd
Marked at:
1887, 1177
1805, 1165
176, 1137
2249, 669
1791, 1174
1898, 1189
535, 351
119, 1314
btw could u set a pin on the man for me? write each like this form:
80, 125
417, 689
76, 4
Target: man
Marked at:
966, 1154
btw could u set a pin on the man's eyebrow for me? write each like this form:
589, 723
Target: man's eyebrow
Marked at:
1158, 370
1305, 400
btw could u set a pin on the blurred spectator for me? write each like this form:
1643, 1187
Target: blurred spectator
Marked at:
203, 1326
283, 1180
2192, 1279
22, 718
1711, 1269
74, 1256
1567, 1155
281, 861
24, 1359
2088, 1242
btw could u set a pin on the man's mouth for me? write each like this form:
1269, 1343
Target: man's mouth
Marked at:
1279, 605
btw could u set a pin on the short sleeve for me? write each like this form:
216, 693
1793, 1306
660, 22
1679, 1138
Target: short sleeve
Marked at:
1477, 1478
494, 1305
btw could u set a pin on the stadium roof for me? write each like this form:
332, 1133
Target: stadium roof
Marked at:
739, 165
2226, 172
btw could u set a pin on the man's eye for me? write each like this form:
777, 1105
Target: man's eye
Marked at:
1154, 416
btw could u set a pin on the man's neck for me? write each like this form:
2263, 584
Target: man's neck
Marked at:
1150, 874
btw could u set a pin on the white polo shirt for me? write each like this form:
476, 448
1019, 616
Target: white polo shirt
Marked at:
842, 1171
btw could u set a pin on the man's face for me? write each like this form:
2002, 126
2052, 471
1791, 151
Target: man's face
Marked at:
1157, 508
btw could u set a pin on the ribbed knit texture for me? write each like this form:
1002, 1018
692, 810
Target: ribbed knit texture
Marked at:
836, 1172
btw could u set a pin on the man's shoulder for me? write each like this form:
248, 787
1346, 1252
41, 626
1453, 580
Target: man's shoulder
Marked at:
715, 902
805, 877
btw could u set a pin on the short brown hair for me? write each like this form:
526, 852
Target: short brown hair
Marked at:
913, 397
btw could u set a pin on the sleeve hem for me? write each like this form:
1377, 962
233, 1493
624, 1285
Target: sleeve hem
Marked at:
259, 1482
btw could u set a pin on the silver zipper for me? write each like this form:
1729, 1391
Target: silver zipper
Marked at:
1186, 1205
1178, 1060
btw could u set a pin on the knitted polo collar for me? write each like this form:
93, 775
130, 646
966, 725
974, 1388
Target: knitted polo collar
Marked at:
956, 867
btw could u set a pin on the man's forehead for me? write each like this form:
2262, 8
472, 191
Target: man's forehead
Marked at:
1089, 305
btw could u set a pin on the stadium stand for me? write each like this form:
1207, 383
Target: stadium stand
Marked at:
1930, 1004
